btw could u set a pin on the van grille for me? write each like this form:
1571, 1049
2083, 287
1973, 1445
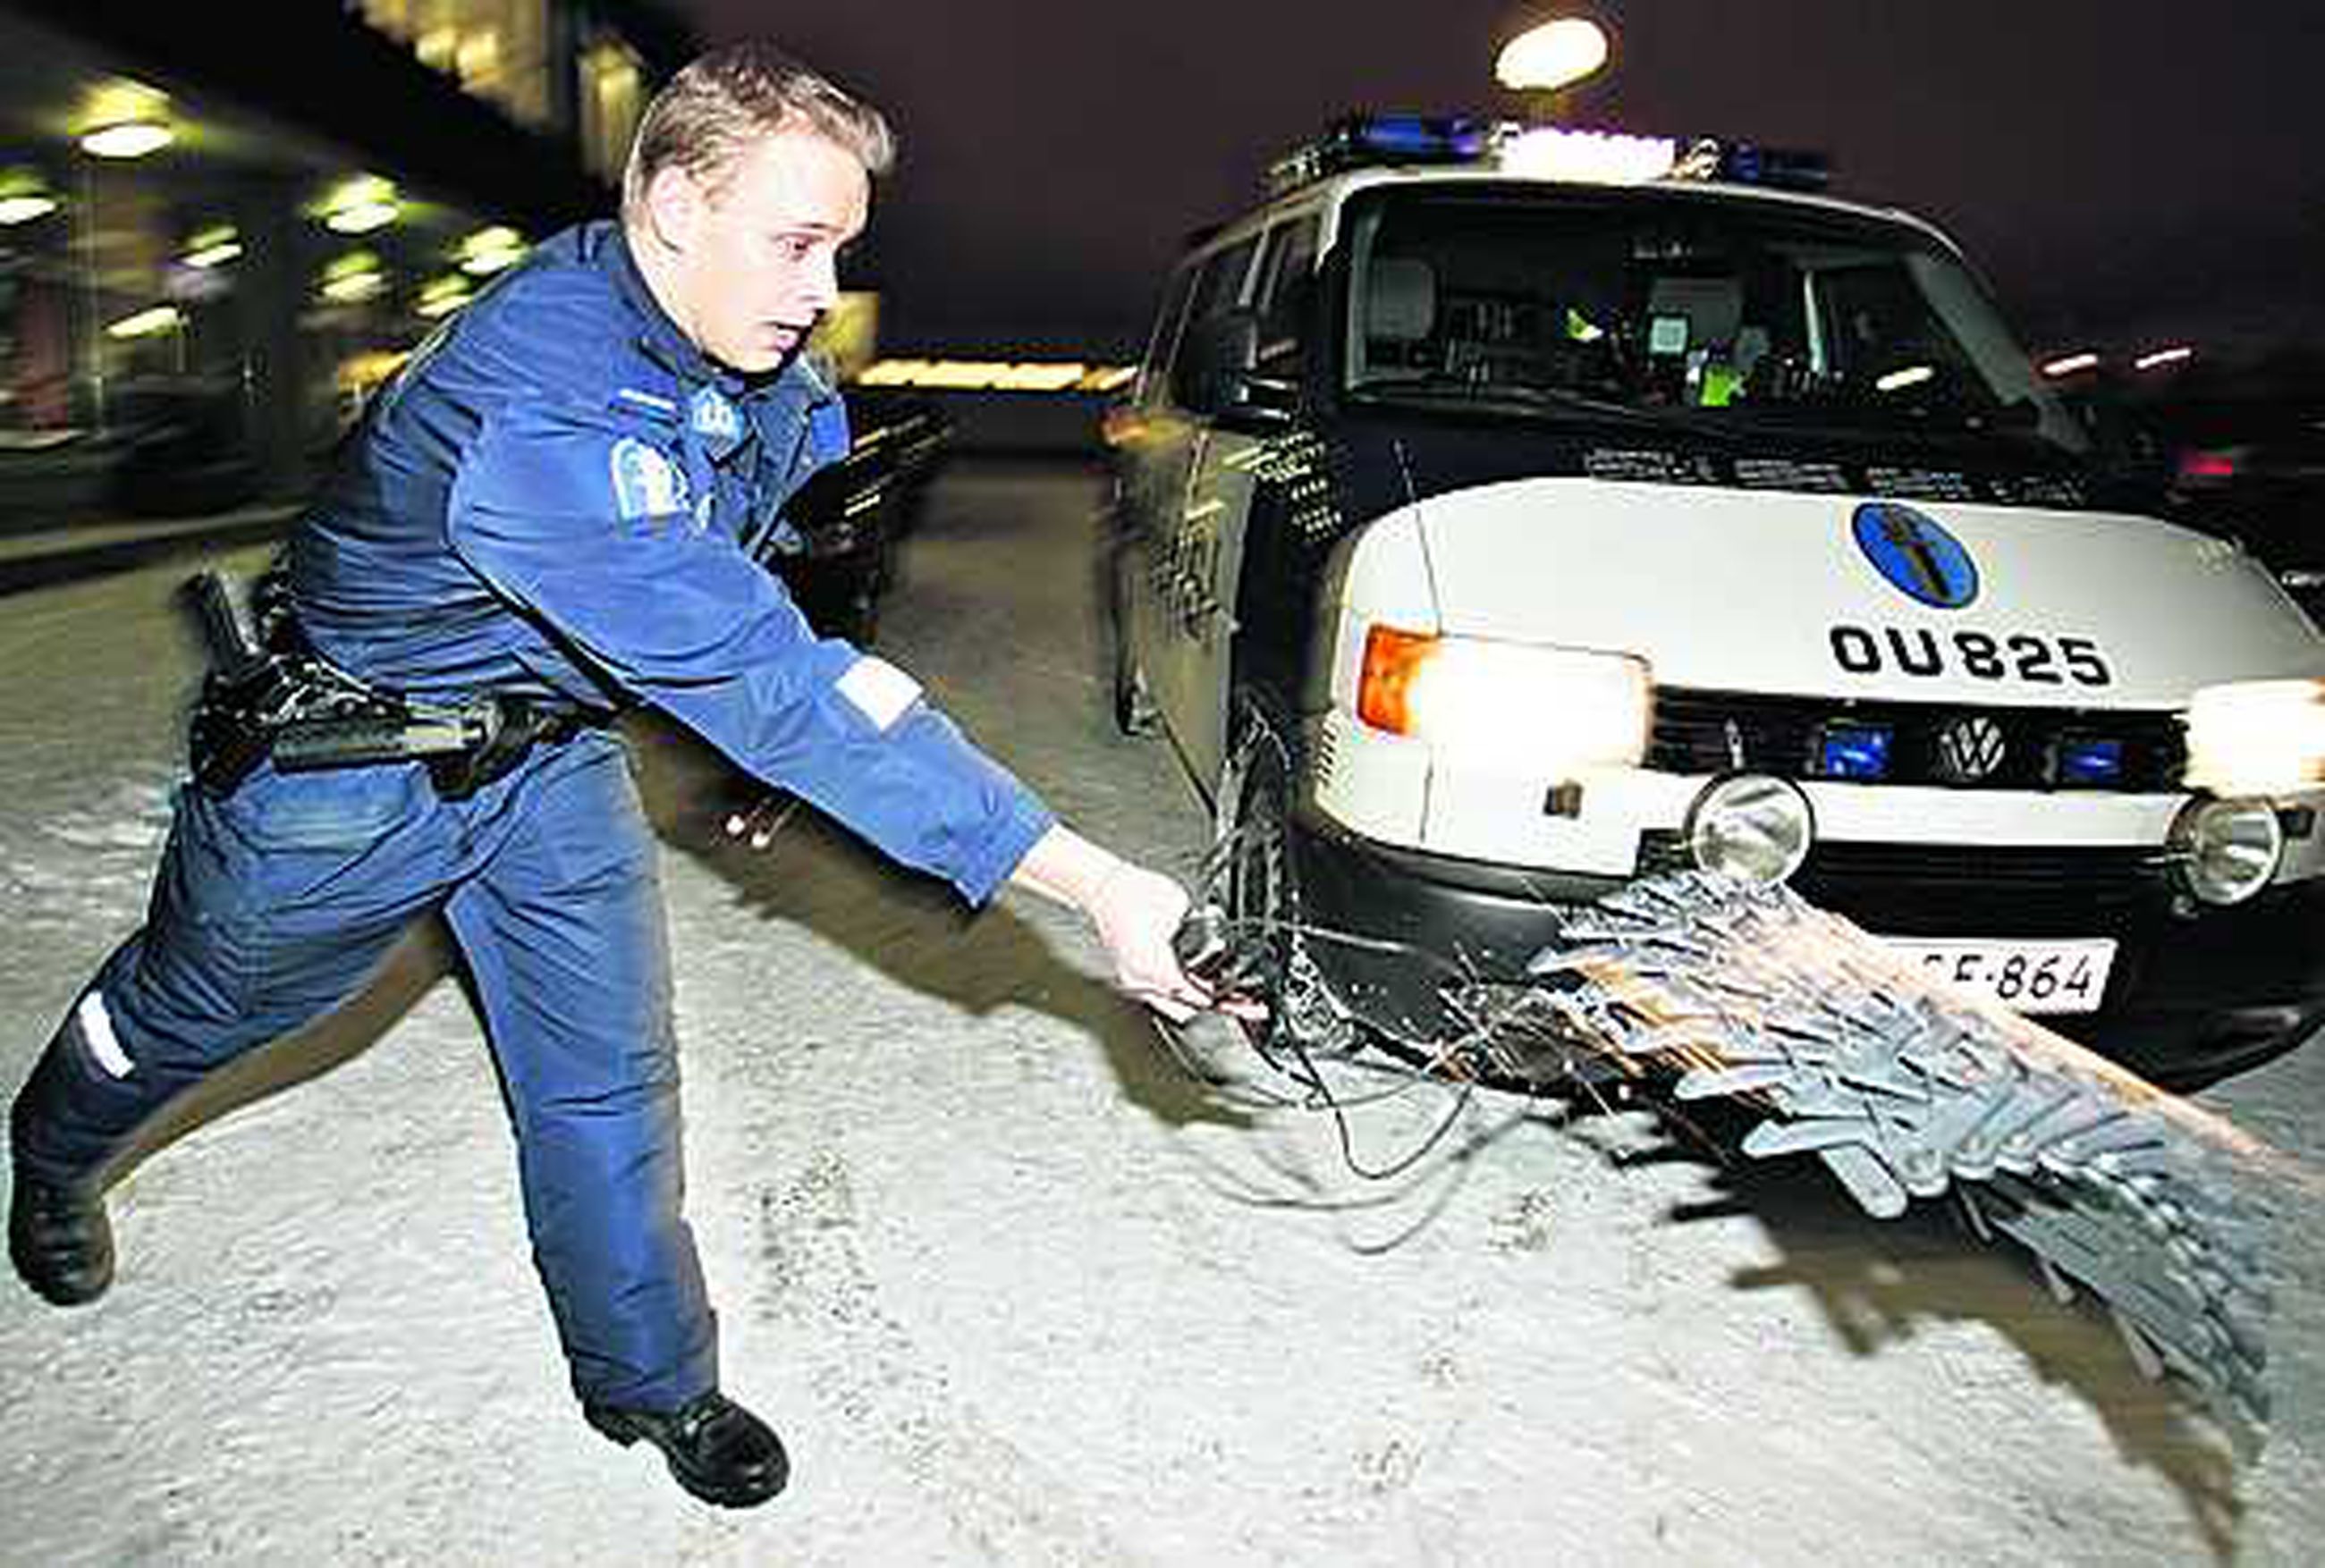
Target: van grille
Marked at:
1721, 731
1988, 890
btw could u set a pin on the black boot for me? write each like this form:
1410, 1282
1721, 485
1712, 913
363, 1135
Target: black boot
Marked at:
59, 1241
718, 1450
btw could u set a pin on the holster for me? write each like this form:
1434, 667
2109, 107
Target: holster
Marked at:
306, 718
270, 695
513, 727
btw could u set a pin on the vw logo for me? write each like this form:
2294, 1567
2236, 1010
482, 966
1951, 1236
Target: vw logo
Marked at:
1915, 554
1970, 749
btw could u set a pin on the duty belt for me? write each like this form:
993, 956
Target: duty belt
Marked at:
277, 700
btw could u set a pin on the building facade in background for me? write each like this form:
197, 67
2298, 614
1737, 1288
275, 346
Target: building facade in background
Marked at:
212, 244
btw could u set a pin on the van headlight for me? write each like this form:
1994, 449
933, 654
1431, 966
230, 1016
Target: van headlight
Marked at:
1750, 827
2250, 736
1549, 707
2227, 850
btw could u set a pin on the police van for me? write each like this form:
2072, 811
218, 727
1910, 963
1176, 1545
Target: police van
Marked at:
1503, 514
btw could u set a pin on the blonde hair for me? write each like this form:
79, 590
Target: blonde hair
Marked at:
710, 114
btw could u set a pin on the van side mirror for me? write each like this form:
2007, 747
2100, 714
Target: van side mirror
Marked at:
1217, 374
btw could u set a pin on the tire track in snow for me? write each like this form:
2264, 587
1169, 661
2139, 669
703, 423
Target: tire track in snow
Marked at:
865, 1366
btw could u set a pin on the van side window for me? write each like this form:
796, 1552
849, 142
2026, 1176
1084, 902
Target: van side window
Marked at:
1287, 281
1218, 288
1221, 288
1168, 320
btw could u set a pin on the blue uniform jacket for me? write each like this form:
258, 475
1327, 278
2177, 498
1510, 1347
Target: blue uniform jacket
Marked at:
558, 496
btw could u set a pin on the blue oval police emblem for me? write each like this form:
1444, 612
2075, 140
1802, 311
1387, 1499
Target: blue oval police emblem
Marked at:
1916, 555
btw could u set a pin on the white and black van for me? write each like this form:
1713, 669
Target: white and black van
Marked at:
1504, 515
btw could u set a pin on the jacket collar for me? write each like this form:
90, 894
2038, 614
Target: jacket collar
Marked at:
658, 336
661, 340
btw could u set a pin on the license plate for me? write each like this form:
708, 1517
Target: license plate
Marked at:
2024, 976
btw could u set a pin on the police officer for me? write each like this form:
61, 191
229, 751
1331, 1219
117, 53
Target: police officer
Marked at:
553, 510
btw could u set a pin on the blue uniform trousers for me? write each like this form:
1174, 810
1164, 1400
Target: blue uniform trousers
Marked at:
277, 903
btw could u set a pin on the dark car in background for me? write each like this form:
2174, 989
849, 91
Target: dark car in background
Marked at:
2244, 452
183, 447
837, 558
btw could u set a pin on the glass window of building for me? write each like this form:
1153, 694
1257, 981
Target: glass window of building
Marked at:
612, 92
195, 303
498, 49
37, 329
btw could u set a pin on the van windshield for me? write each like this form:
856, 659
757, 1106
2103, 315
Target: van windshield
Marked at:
1694, 307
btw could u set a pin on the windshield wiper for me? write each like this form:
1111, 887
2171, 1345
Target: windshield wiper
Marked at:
1531, 397
2018, 421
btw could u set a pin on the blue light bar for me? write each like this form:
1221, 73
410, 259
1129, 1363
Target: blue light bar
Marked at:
1358, 140
1749, 163
1364, 140
2089, 760
1420, 138
1846, 750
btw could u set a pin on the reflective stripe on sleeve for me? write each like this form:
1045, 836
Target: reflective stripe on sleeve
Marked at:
97, 1028
878, 690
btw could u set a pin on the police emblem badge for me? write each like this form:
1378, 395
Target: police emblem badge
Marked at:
646, 483
715, 420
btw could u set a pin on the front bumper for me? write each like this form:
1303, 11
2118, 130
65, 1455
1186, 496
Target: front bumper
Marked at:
2193, 996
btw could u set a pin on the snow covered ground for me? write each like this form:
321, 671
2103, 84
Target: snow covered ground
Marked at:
1012, 1287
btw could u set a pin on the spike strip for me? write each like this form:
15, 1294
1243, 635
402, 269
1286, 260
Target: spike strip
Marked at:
1905, 1088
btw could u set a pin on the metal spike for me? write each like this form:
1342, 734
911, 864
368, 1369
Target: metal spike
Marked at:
1705, 1082
2061, 1292
2143, 1354
1867, 1180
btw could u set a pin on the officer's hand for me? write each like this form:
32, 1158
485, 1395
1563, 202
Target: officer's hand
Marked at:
1135, 911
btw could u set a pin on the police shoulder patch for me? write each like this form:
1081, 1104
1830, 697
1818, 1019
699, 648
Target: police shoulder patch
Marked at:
646, 483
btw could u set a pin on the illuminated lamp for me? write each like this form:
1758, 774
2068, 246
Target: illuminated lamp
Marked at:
2087, 761
213, 246
146, 323
1554, 55
127, 139
1420, 138
442, 296
1601, 157
491, 249
361, 205
1853, 751
2252, 737
24, 196
1522, 705
354, 278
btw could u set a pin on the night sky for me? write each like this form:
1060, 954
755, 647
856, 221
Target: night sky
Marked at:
2125, 173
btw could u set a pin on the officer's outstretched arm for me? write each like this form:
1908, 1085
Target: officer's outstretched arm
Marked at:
1135, 911
548, 509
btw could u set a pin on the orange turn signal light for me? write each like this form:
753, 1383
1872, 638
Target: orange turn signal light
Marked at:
1393, 660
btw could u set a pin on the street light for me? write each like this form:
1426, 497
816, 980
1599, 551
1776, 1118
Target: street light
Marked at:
361, 205
25, 197
1554, 55
125, 139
